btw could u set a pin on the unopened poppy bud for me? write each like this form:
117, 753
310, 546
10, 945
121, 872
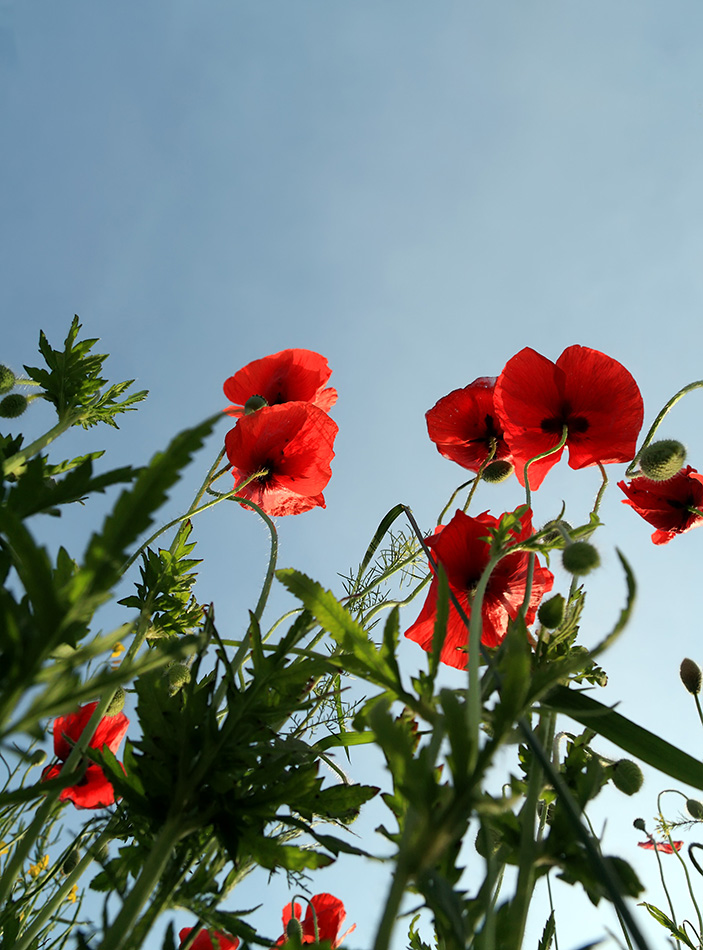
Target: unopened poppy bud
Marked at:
580, 558
497, 471
178, 676
71, 861
551, 612
627, 776
7, 379
116, 703
556, 531
690, 673
694, 808
660, 461
253, 403
13, 406
294, 930
487, 841
639, 824
38, 757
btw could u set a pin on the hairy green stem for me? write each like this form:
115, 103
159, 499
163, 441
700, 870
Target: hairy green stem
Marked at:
16, 462
632, 467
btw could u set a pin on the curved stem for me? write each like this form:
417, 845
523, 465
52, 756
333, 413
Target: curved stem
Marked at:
632, 467
543, 455
16, 462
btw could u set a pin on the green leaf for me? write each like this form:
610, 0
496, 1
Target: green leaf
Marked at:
639, 742
667, 922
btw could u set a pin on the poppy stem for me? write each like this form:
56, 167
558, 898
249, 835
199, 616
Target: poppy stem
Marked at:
632, 467
543, 455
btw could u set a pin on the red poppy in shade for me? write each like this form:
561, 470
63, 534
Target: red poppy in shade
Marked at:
93, 790
591, 394
672, 506
293, 444
209, 940
327, 911
463, 551
464, 425
288, 376
662, 846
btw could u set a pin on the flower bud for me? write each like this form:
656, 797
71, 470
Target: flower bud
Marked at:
690, 674
71, 861
555, 534
551, 612
38, 757
627, 776
253, 403
178, 676
660, 461
694, 808
497, 471
7, 379
294, 930
639, 824
580, 558
116, 703
13, 406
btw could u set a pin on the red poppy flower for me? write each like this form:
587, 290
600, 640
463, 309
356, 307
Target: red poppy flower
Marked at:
587, 391
209, 940
662, 846
93, 790
463, 551
293, 443
288, 376
329, 913
464, 425
671, 506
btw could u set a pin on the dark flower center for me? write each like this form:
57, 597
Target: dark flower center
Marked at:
491, 434
555, 424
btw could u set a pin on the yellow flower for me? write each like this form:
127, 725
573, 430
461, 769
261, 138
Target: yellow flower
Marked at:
72, 895
117, 650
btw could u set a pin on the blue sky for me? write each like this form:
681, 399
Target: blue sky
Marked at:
416, 191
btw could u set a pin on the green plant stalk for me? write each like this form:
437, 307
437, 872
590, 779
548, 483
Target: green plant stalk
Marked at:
16, 462
632, 467
120, 930
473, 698
400, 880
560, 445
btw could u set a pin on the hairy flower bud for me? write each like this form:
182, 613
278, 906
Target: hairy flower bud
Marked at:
7, 379
71, 861
639, 824
13, 406
694, 808
178, 676
627, 776
294, 930
116, 703
497, 471
555, 531
253, 403
551, 612
690, 673
660, 461
580, 558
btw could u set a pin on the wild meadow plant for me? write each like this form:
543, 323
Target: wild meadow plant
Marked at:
217, 772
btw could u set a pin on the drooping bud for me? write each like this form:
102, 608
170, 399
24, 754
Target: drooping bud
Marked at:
660, 461
38, 757
551, 612
178, 676
556, 531
71, 861
694, 808
7, 379
627, 776
116, 703
13, 406
639, 824
294, 930
253, 403
690, 673
580, 558
497, 471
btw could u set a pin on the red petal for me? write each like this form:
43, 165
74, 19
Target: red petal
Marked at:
289, 376
330, 914
662, 846
204, 939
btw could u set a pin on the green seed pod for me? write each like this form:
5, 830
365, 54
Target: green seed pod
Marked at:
551, 612
694, 808
690, 674
13, 406
580, 558
116, 703
639, 824
627, 776
7, 379
178, 676
71, 861
497, 472
253, 403
660, 461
